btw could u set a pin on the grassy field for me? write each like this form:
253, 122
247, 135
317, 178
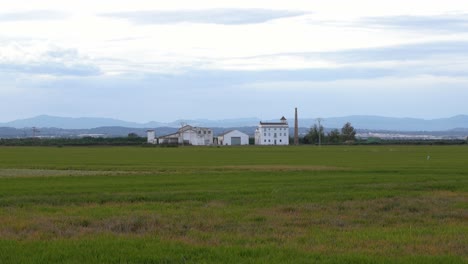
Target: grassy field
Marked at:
339, 204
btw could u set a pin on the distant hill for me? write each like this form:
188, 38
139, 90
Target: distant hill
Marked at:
9, 132
43, 121
359, 122
395, 124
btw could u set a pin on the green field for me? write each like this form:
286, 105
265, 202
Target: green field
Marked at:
307, 204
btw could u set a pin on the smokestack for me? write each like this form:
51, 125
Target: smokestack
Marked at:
296, 129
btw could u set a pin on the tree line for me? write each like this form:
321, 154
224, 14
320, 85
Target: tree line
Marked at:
130, 140
317, 135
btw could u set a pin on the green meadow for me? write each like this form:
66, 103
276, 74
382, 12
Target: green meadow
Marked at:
305, 204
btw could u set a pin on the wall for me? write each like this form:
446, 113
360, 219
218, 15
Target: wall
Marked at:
235, 133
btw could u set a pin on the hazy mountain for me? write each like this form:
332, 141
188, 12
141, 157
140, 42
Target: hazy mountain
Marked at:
396, 124
359, 122
67, 122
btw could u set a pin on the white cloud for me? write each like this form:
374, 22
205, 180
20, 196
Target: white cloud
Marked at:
228, 16
332, 46
43, 59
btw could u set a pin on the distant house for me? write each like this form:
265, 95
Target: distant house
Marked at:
151, 136
189, 135
272, 133
233, 137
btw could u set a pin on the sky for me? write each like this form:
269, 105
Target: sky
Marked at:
167, 60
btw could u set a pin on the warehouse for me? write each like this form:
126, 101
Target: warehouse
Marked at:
233, 138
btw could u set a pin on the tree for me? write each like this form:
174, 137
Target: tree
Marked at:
132, 135
334, 136
348, 132
315, 133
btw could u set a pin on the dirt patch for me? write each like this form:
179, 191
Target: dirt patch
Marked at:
27, 173
282, 168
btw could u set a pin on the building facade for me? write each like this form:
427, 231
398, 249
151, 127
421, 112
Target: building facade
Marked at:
272, 133
189, 135
151, 136
233, 138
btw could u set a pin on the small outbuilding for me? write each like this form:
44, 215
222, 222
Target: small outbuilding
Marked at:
233, 138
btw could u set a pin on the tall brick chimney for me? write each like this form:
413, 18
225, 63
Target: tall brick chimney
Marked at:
296, 129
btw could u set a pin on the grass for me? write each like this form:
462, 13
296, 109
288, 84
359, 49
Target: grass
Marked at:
340, 204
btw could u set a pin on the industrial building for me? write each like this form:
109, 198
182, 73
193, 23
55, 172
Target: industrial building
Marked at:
233, 138
272, 133
186, 135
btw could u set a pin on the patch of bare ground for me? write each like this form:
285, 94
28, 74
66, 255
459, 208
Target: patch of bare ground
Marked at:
69, 226
420, 225
435, 207
282, 168
27, 173
428, 224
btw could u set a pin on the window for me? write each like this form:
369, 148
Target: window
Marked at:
269, 134
199, 132
264, 134
209, 131
204, 132
280, 140
268, 140
264, 140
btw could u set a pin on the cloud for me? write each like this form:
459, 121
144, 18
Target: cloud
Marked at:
207, 16
405, 52
448, 58
394, 52
29, 58
55, 69
32, 15
443, 23
217, 95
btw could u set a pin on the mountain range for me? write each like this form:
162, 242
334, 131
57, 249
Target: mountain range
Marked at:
358, 121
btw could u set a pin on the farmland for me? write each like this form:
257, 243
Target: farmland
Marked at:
306, 204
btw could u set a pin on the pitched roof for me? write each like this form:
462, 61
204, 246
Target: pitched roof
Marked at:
274, 123
170, 135
227, 132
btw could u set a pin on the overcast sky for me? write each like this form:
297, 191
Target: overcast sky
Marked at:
166, 60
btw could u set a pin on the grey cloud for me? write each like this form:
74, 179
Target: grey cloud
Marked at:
51, 68
444, 53
102, 95
209, 16
54, 61
444, 23
402, 52
32, 15
408, 51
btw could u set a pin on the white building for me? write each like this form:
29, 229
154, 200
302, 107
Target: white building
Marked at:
189, 135
151, 136
272, 133
233, 137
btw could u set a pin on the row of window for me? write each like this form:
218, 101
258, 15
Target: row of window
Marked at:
270, 140
269, 134
204, 132
280, 128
